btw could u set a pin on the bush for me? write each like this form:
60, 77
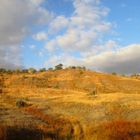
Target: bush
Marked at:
50, 69
114, 73
2, 70
119, 130
93, 92
24, 70
59, 67
21, 103
31, 70
42, 70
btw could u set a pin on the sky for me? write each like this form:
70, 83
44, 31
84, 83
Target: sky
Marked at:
102, 35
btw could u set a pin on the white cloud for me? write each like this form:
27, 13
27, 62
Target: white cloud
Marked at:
59, 23
51, 46
32, 46
36, 2
82, 30
65, 59
17, 17
82, 42
8, 55
82, 34
40, 36
124, 60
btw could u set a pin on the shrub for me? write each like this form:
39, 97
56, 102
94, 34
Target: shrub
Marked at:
42, 70
59, 67
21, 103
31, 70
120, 130
24, 70
50, 69
17, 70
72, 67
2, 70
114, 73
93, 92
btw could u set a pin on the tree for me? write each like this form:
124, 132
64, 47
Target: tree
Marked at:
84, 68
31, 70
72, 67
17, 70
42, 70
25, 70
50, 69
9, 71
2, 70
59, 67
81, 68
114, 73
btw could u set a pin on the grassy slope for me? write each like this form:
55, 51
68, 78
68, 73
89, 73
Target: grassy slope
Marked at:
65, 96
75, 80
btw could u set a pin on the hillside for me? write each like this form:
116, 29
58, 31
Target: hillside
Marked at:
69, 105
80, 80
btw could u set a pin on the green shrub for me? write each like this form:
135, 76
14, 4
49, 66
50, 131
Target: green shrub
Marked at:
50, 69
114, 73
59, 67
42, 70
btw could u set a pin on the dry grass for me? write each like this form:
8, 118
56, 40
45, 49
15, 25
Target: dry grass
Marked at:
73, 79
119, 130
69, 111
57, 127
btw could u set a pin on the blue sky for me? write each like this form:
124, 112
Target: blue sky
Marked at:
100, 34
126, 15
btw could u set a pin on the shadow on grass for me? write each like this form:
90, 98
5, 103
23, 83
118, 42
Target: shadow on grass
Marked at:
18, 133
13, 133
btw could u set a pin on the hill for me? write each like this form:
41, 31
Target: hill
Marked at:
69, 104
81, 80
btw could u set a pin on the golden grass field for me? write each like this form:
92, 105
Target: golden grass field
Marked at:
69, 105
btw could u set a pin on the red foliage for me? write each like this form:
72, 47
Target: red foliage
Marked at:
120, 130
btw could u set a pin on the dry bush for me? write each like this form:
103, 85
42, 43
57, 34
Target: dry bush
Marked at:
21, 103
119, 130
56, 128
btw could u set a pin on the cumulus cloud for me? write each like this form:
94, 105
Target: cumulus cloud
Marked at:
58, 23
82, 30
66, 59
17, 17
123, 60
78, 39
40, 36
8, 55
80, 33
82, 41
